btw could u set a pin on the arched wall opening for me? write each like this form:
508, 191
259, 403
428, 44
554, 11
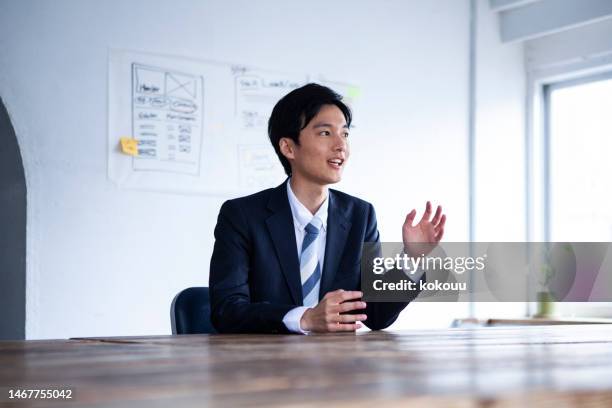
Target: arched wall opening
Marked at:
12, 233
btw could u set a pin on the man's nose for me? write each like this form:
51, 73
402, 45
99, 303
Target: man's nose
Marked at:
341, 142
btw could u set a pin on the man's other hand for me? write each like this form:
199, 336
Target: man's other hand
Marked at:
328, 315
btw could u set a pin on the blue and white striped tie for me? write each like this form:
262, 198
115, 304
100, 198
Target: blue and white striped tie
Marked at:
310, 270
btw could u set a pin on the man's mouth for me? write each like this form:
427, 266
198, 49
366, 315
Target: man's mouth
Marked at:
336, 163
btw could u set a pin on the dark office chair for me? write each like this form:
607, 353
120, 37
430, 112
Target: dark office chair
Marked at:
190, 312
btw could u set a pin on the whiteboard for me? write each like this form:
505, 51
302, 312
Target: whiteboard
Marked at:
201, 126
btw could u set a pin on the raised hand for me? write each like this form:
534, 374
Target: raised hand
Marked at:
422, 238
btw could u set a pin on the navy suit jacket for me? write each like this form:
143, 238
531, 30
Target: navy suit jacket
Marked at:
255, 270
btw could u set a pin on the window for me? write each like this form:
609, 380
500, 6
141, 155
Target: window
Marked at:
579, 161
578, 166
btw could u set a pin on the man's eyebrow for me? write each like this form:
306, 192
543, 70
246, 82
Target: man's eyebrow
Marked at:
320, 125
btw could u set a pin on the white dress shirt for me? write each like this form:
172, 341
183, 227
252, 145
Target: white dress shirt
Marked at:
301, 218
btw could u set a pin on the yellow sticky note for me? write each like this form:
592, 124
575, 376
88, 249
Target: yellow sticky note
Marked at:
129, 146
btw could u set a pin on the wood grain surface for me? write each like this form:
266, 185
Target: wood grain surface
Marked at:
482, 367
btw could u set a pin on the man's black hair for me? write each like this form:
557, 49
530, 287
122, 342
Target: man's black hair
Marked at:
295, 110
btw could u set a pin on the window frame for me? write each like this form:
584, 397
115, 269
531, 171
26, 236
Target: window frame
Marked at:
544, 90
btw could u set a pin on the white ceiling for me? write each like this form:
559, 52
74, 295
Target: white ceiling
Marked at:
526, 19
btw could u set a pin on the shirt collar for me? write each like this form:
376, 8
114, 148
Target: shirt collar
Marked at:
301, 215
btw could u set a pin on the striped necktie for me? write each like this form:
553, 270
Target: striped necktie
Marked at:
310, 270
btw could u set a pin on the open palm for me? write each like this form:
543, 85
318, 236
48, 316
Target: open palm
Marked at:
422, 238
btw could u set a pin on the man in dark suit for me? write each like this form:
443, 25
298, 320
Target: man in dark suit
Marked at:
287, 259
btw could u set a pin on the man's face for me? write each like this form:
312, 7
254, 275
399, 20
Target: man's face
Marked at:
323, 150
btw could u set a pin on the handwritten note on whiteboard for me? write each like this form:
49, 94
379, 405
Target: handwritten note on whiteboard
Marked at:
259, 167
256, 93
167, 115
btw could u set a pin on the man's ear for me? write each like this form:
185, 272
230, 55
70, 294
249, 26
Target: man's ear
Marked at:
287, 147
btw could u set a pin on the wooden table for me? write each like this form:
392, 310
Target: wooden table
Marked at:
482, 367
529, 321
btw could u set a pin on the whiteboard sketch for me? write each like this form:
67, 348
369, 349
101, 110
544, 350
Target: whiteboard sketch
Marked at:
201, 126
259, 167
257, 91
167, 115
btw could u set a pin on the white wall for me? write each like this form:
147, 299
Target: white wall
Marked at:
103, 261
500, 146
500, 136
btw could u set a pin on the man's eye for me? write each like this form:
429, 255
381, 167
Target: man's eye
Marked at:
325, 133
346, 135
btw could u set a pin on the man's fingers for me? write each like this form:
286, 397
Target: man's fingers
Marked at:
439, 235
440, 224
427, 212
335, 294
343, 327
436, 217
348, 295
349, 306
410, 217
349, 318
439, 230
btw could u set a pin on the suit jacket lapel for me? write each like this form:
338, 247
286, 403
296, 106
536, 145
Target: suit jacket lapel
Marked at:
280, 226
338, 226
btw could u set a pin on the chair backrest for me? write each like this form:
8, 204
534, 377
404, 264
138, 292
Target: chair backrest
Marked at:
190, 312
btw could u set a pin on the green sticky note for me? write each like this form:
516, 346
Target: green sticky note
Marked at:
353, 92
